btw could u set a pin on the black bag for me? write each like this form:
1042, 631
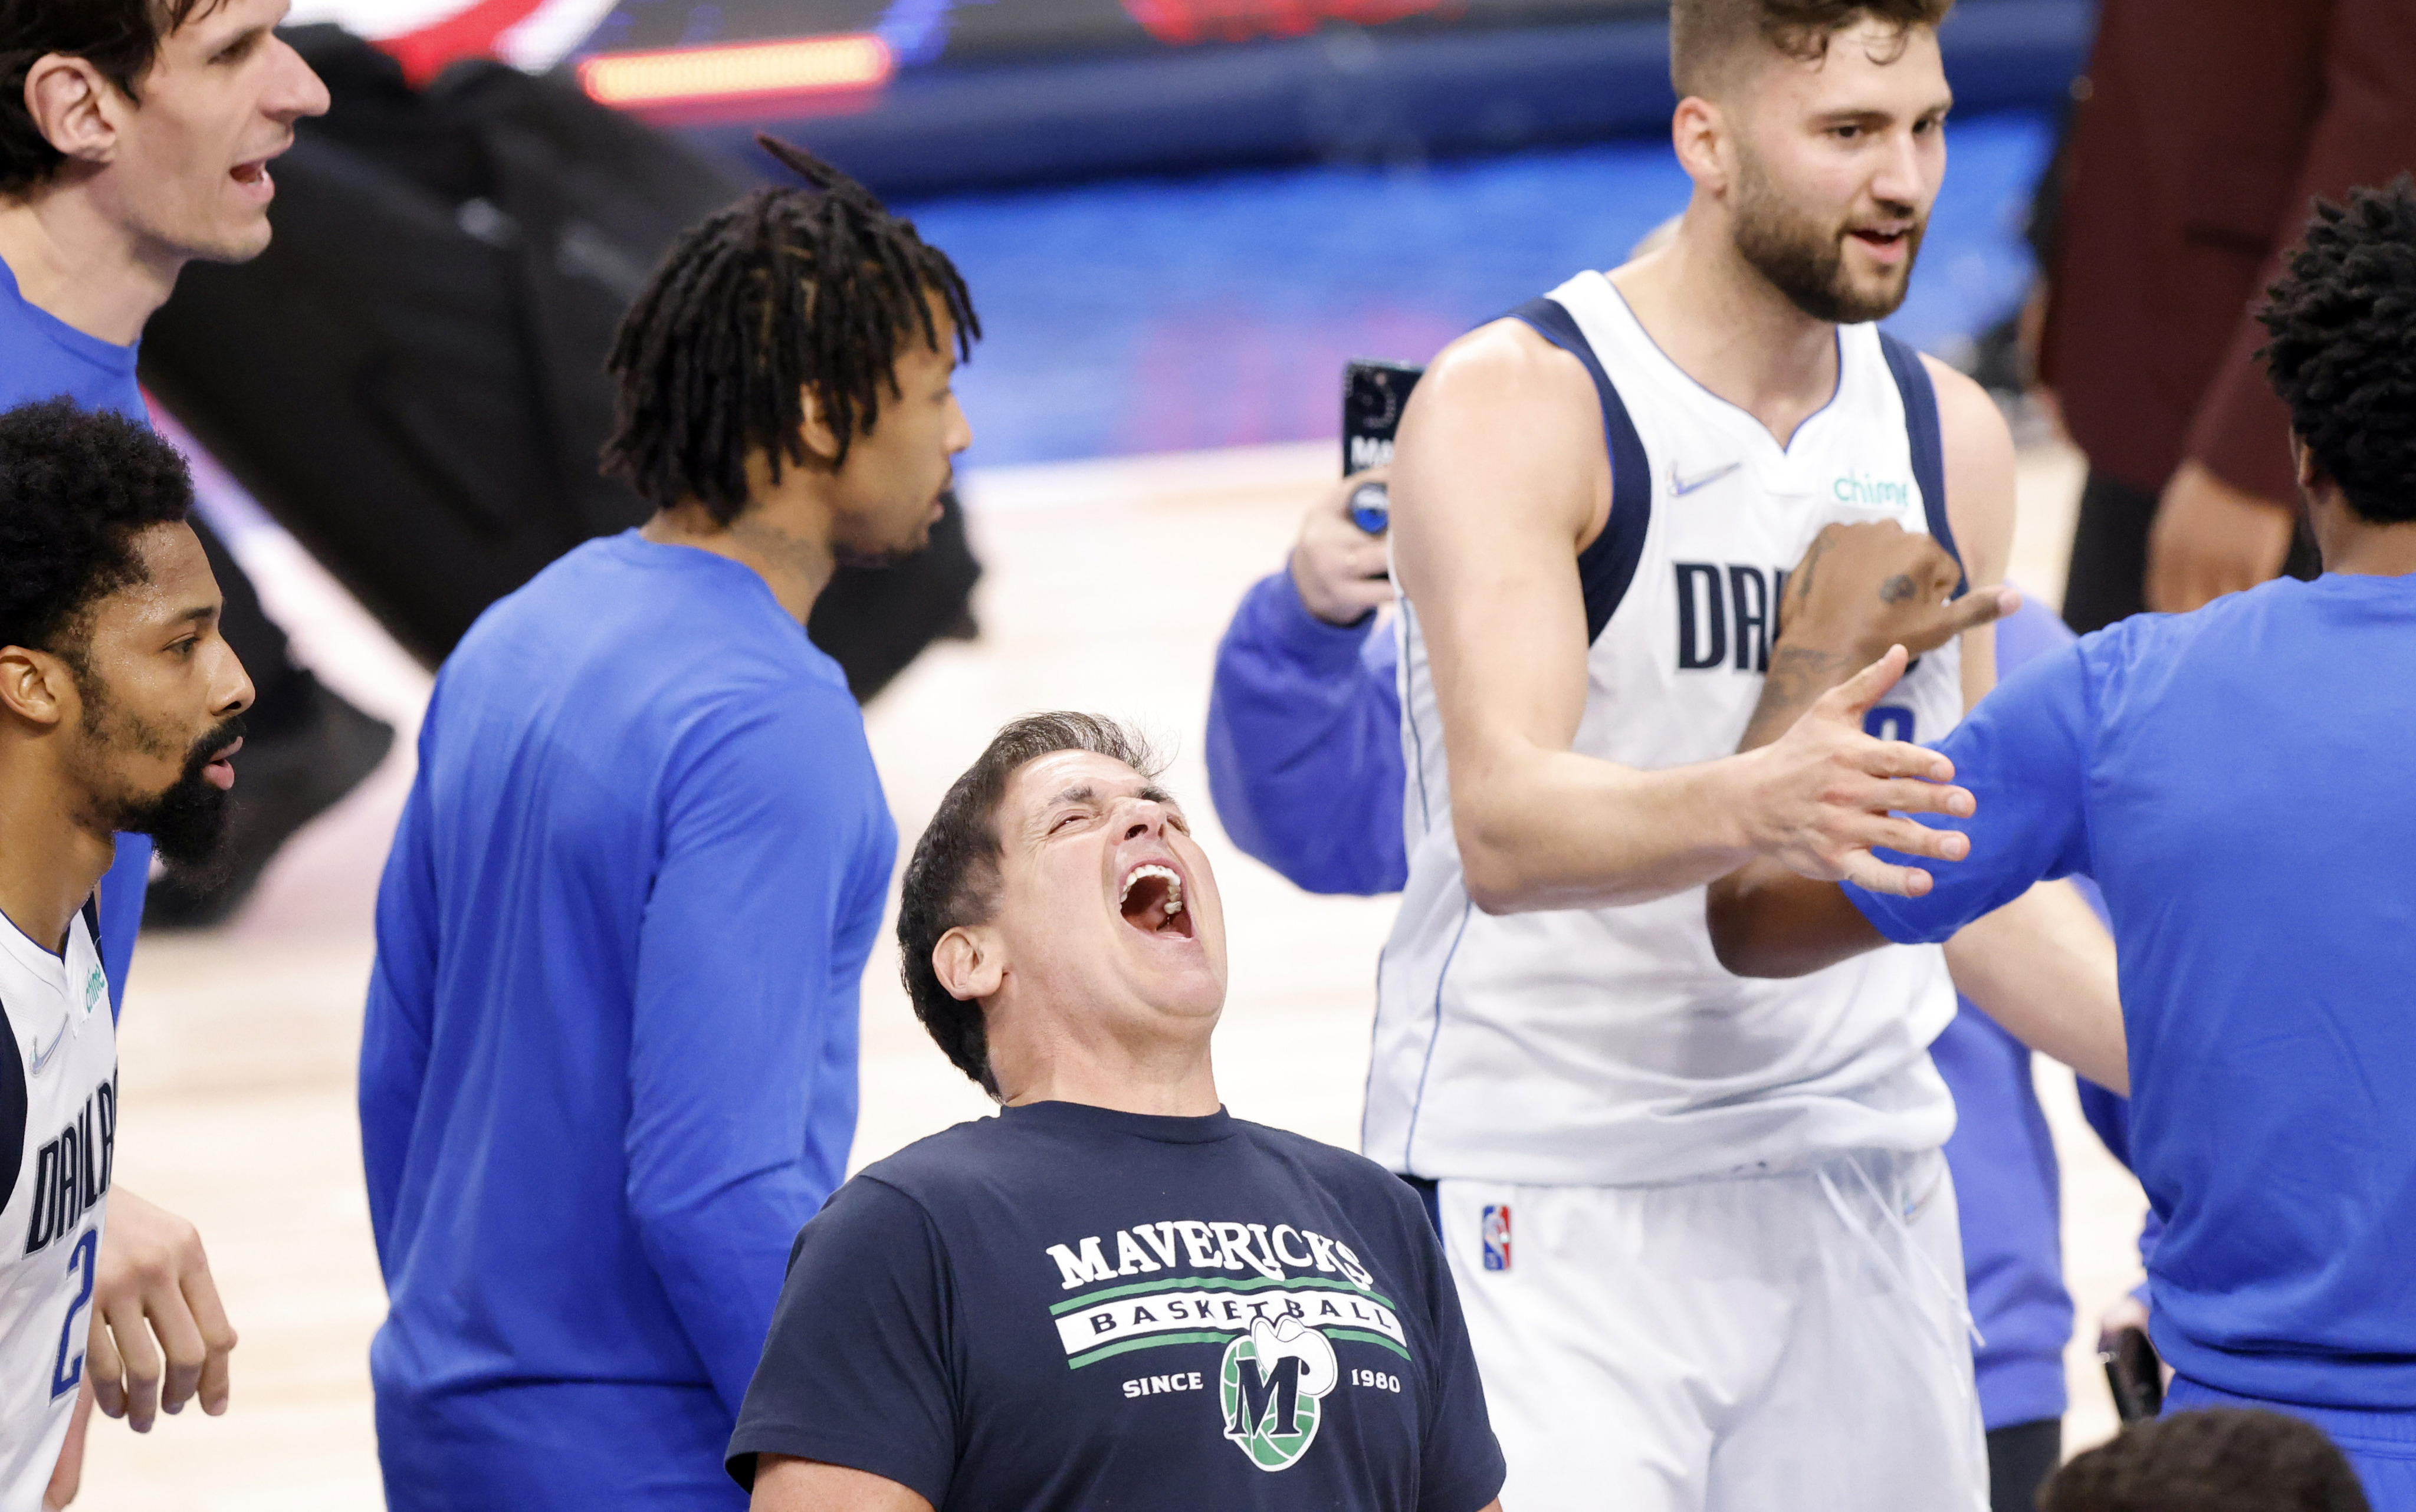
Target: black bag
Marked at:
411, 379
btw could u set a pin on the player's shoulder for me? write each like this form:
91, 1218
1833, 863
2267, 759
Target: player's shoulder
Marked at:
1500, 361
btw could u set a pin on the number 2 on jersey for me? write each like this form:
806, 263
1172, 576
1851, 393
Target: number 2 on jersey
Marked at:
67, 1375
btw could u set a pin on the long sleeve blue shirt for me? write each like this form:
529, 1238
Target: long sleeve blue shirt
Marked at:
608, 1065
1304, 765
43, 357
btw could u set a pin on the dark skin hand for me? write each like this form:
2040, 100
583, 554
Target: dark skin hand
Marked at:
1859, 590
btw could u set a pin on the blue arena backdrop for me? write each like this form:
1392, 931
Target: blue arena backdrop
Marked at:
973, 94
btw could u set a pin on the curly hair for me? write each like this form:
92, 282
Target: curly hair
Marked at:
120, 38
2341, 323
788, 289
2223, 1459
76, 488
1706, 37
954, 876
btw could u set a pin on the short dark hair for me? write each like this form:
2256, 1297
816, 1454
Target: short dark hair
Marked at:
2223, 1459
787, 290
2342, 319
1707, 36
953, 878
76, 488
120, 38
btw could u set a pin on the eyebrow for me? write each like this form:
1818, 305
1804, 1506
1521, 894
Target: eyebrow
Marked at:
1085, 793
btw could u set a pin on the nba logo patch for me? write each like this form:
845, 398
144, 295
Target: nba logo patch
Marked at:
1496, 1237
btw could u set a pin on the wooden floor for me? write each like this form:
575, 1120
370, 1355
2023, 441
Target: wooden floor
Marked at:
1109, 583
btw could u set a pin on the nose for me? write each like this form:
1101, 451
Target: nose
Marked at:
298, 90
960, 430
230, 690
1900, 182
1143, 817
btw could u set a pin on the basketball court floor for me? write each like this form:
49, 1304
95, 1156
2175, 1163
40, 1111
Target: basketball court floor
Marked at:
1143, 404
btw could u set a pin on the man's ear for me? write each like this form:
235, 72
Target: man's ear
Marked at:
819, 439
970, 962
75, 107
1699, 131
35, 686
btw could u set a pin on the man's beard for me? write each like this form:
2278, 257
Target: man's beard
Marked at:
188, 819
186, 822
1806, 260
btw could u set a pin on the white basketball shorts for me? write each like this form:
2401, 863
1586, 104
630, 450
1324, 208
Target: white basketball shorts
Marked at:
1794, 1341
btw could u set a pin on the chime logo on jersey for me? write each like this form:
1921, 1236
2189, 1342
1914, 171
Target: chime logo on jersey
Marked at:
1496, 1230
1273, 1386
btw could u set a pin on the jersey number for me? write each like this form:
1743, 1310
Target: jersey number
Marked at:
1888, 722
67, 1375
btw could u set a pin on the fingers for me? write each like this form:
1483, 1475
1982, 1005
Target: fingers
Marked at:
1982, 605
180, 1341
1858, 694
1872, 874
1900, 759
104, 1370
1915, 797
142, 1366
216, 1335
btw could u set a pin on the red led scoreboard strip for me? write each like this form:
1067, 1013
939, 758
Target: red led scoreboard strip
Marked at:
799, 76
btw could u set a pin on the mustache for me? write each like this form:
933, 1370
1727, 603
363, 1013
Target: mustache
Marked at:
208, 746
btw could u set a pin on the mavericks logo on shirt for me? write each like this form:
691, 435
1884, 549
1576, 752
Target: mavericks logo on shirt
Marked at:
1301, 1293
1273, 1381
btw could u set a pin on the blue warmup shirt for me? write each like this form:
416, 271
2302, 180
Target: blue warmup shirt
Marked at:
608, 1066
2236, 780
43, 357
1304, 765
1066, 1309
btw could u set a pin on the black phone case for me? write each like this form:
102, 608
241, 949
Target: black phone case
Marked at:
2135, 1376
1373, 396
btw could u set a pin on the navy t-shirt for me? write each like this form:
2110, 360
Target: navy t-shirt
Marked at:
1068, 1307
2238, 780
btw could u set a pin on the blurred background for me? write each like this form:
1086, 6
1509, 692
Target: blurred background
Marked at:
1179, 219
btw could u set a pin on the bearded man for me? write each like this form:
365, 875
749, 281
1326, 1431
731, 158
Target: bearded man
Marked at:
1701, 1227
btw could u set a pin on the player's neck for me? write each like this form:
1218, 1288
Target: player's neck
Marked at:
1728, 329
49, 863
76, 264
790, 549
2357, 546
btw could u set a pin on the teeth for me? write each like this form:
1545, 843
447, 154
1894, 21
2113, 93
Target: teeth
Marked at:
1173, 886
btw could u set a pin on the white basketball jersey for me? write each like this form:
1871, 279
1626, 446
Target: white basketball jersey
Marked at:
1608, 1046
58, 1100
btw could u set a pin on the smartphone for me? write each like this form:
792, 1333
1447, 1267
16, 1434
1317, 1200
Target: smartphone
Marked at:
2134, 1374
1373, 396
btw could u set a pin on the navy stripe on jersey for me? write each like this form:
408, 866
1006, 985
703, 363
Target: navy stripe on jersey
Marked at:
12, 1109
1608, 565
1921, 429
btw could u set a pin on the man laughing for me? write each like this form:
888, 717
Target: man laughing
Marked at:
1114, 1294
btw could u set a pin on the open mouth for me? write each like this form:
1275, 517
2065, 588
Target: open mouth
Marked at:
1888, 241
1152, 901
219, 771
253, 177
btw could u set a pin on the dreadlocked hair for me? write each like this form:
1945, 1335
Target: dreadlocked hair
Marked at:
789, 290
2342, 319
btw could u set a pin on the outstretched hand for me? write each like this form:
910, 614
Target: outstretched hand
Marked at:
1830, 793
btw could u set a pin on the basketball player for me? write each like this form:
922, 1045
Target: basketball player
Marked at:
119, 707
134, 138
1303, 753
608, 1065
2266, 956
1701, 1227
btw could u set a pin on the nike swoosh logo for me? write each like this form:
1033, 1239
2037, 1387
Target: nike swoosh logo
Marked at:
1680, 488
43, 1057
